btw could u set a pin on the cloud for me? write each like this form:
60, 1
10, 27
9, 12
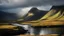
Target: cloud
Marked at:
45, 8
26, 3
24, 11
11, 3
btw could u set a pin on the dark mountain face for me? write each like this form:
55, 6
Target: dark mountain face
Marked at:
58, 7
33, 10
37, 14
4, 16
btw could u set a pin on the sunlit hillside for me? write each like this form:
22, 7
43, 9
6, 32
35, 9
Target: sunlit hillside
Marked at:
53, 17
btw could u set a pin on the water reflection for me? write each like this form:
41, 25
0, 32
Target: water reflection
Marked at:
44, 31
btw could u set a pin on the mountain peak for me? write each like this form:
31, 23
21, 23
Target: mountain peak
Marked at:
34, 9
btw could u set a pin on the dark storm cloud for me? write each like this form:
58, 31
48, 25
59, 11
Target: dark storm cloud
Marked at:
27, 3
47, 2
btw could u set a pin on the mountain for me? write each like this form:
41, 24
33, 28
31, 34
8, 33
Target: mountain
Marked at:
58, 7
40, 13
37, 14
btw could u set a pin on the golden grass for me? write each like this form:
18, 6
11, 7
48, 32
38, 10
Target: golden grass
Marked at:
7, 27
44, 23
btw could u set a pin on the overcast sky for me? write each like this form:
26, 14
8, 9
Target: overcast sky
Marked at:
23, 6
27, 3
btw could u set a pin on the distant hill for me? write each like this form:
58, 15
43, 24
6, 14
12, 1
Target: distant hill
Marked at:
5, 16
